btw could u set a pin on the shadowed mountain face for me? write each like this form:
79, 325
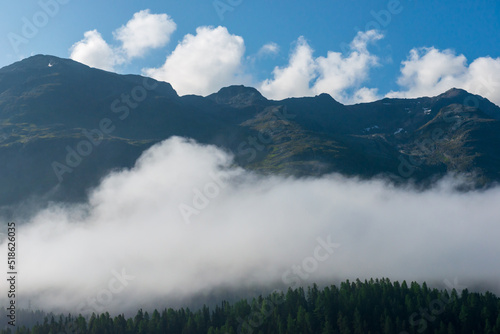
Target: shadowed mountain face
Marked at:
64, 125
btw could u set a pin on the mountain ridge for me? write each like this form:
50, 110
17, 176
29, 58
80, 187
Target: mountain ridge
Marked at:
48, 105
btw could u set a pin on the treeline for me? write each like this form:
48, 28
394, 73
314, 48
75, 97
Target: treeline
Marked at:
375, 306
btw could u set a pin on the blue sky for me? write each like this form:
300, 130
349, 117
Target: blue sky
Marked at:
447, 37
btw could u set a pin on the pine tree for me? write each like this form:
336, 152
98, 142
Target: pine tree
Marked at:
451, 329
327, 328
358, 323
497, 324
343, 324
291, 325
388, 326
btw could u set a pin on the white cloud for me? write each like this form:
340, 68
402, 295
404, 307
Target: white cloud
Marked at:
95, 52
334, 74
268, 49
338, 73
294, 79
249, 230
203, 63
429, 72
364, 95
145, 31
213, 58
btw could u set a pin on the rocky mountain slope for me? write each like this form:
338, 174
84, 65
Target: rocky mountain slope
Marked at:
64, 125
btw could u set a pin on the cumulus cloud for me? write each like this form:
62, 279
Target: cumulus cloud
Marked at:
245, 230
294, 79
429, 72
145, 31
364, 94
334, 74
203, 63
93, 51
337, 73
268, 49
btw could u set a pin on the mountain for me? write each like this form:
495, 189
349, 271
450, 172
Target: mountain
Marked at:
64, 125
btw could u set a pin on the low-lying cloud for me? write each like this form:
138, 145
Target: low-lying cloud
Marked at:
133, 243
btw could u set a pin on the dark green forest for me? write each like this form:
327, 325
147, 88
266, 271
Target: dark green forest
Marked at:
375, 306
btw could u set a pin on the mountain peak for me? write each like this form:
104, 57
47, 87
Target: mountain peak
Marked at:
68, 73
238, 96
327, 97
453, 92
39, 62
461, 96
